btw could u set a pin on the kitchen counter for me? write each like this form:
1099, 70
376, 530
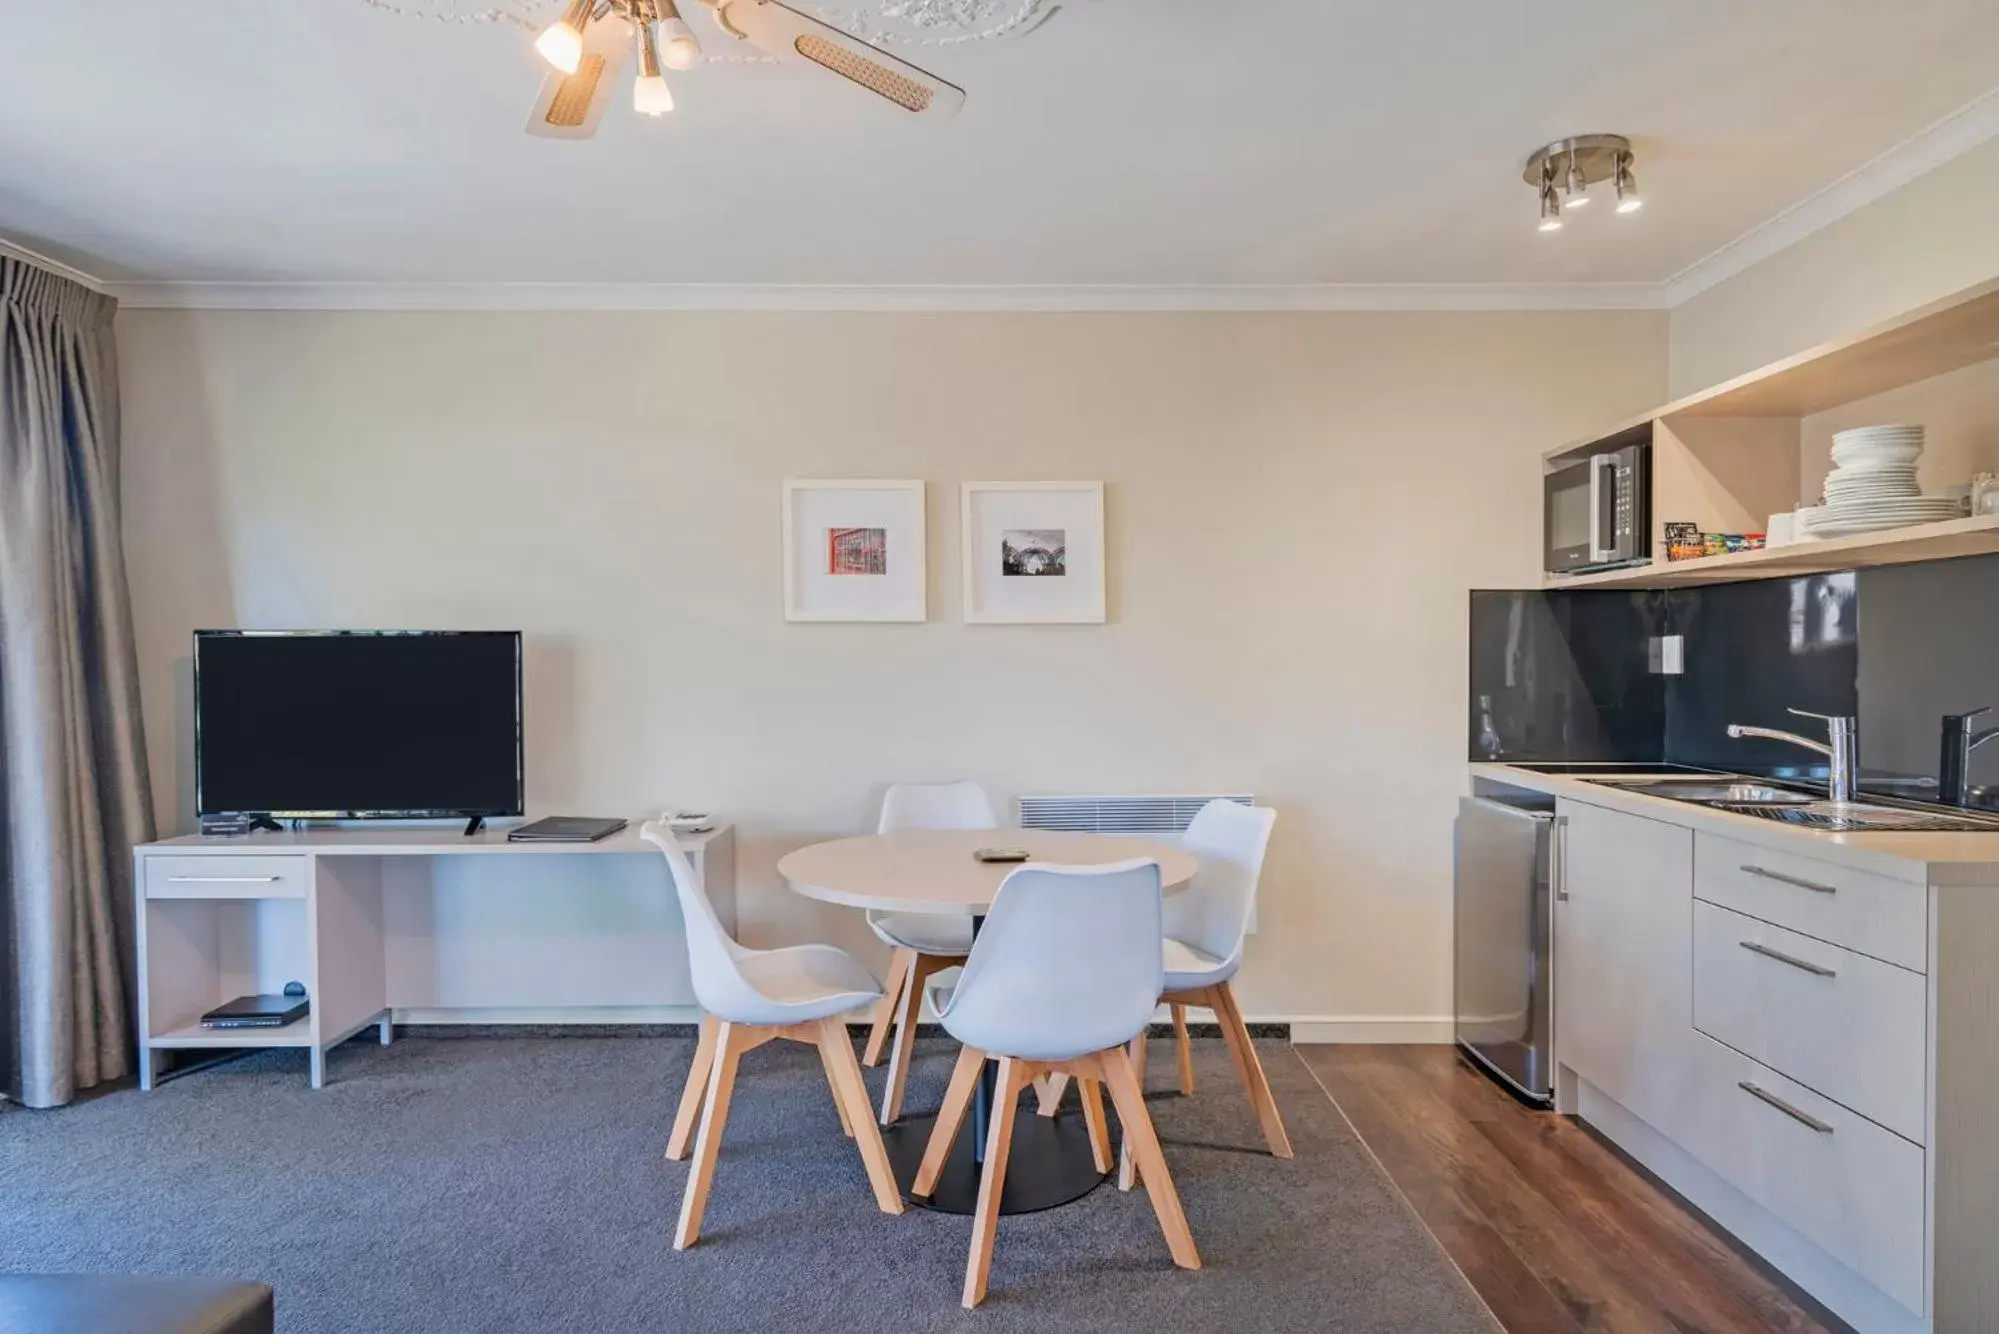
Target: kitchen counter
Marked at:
1953, 857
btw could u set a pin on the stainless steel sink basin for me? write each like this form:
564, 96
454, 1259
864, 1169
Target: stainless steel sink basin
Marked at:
1710, 792
1859, 817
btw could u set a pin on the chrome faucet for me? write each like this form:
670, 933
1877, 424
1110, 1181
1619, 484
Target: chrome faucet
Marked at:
1955, 760
1842, 754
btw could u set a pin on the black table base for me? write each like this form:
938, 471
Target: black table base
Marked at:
1050, 1163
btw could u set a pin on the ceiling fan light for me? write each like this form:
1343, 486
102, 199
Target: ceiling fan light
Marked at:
561, 42
679, 48
651, 96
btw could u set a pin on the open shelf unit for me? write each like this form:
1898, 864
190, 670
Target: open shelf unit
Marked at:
1896, 546
1730, 456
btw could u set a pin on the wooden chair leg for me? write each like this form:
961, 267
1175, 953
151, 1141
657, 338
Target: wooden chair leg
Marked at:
1091, 1091
1144, 1145
911, 1010
999, 1142
843, 1073
950, 1117
1127, 1170
1186, 1045
1049, 1093
730, 1045
826, 1059
900, 964
696, 1089
1251, 1069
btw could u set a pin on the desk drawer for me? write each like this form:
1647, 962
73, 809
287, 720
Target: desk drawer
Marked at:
1875, 914
224, 877
1844, 1025
1849, 1186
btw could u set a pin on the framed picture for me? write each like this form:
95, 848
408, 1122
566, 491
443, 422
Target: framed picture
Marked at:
1034, 552
854, 551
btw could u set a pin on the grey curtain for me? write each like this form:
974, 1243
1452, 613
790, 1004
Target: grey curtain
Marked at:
73, 796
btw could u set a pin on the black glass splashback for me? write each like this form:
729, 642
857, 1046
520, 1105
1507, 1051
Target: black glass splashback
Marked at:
1562, 675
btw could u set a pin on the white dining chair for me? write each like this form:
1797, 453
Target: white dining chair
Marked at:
1065, 970
750, 997
1206, 924
923, 944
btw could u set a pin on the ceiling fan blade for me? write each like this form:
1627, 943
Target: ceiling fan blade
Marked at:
799, 38
570, 105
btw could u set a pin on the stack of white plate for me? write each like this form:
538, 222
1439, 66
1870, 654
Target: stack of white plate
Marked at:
1873, 484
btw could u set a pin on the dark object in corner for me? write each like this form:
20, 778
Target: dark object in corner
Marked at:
132, 1304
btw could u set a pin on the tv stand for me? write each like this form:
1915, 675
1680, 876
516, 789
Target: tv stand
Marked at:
474, 825
265, 822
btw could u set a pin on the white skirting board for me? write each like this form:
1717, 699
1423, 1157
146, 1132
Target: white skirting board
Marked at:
1305, 1029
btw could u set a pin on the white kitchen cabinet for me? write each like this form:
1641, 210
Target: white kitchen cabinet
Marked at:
1623, 956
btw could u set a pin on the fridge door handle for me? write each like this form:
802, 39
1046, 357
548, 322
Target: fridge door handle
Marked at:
1558, 861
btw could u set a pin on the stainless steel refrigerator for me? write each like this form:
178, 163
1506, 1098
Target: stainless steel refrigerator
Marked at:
1503, 943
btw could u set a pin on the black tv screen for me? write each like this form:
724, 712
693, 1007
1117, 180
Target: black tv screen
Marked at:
357, 724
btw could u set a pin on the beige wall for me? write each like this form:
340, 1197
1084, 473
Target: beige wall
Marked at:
1297, 505
1936, 235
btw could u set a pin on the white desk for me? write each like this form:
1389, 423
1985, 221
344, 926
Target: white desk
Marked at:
422, 925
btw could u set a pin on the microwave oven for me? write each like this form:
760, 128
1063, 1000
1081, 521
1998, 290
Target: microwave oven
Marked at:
1597, 511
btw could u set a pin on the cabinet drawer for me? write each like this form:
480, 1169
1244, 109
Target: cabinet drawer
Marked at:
224, 877
1874, 914
1842, 1024
1849, 1186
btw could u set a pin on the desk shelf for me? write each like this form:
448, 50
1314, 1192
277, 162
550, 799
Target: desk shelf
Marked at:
297, 1033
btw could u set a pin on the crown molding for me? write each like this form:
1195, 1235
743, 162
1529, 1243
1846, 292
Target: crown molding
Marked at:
1967, 128
821, 297
13, 250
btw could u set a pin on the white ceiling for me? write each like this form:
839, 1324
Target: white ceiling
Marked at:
1181, 142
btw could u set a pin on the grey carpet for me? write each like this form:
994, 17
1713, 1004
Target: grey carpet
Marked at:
500, 1185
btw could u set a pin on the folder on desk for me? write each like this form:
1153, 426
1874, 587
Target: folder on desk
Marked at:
565, 829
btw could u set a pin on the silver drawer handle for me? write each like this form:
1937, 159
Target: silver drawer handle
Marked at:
1790, 959
1802, 1118
223, 879
1783, 879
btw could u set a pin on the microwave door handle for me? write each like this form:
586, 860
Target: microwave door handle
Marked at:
1602, 469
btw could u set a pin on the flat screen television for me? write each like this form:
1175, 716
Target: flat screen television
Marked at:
357, 724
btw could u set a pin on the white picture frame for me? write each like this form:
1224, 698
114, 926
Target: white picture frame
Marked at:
1011, 533
837, 531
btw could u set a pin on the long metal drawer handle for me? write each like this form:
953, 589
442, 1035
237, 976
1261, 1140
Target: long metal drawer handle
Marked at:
1790, 959
1802, 1118
223, 879
1781, 878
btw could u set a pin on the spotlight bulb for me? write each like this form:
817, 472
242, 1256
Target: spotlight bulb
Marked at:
1627, 189
1551, 208
679, 48
561, 46
650, 95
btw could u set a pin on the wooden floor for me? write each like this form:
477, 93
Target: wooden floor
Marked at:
1554, 1229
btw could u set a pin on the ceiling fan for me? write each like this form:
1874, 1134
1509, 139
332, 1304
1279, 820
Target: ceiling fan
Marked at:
589, 44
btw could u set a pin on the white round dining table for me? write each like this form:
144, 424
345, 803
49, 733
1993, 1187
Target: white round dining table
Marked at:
934, 871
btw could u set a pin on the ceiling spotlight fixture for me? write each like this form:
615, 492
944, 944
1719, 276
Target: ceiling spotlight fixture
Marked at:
561, 42
590, 43
1577, 185
1627, 187
1575, 165
678, 46
1551, 208
650, 95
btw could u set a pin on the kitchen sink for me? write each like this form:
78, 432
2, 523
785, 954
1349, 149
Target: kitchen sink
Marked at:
1856, 817
1715, 792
